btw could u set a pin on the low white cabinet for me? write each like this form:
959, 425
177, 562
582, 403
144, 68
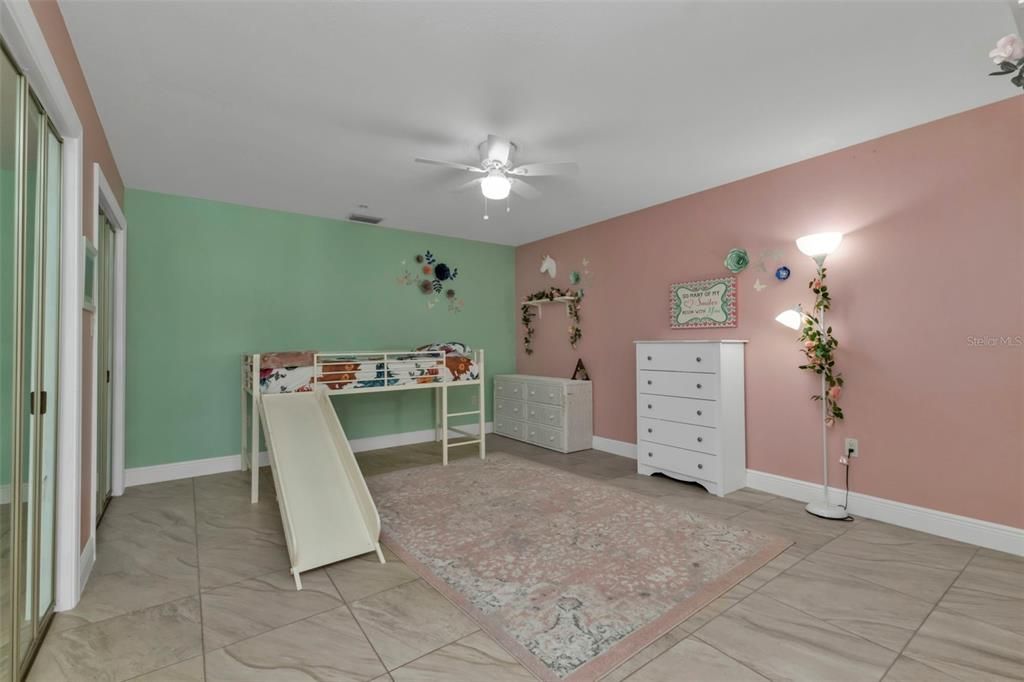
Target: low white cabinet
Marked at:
690, 412
546, 411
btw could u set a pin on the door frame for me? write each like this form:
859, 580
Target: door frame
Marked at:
28, 47
105, 200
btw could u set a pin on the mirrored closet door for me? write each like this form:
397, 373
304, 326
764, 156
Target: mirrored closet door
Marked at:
30, 172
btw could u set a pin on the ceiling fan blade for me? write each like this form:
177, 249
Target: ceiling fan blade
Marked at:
475, 182
451, 164
524, 190
531, 169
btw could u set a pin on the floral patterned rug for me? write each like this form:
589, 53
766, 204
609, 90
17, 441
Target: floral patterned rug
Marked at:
572, 575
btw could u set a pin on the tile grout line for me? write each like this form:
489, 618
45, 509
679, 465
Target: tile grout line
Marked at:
872, 583
697, 639
930, 612
199, 577
352, 615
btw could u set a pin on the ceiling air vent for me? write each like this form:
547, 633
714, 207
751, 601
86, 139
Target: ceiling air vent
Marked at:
363, 218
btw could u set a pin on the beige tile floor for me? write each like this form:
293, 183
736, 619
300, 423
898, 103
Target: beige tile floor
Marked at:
191, 583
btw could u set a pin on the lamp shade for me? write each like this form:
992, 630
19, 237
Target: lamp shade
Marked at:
819, 244
792, 318
495, 185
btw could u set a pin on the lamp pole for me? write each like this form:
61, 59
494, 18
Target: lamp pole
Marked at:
824, 509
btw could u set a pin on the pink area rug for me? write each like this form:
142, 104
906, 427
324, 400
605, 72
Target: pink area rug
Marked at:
572, 575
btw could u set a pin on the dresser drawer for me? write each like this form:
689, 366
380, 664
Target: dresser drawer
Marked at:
678, 357
544, 393
688, 410
549, 415
507, 388
513, 409
510, 427
702, 438
685, 462
681, 384
542, 435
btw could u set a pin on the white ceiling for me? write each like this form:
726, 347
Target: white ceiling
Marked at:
319, 107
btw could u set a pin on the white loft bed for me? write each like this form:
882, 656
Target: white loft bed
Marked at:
345, 373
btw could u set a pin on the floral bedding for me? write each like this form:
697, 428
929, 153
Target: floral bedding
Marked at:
361, 371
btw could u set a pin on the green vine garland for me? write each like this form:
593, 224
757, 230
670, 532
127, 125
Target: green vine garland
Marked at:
820, 347
550, 294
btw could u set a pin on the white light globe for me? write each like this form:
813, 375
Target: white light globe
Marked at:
820, 244
792, 318
495, 186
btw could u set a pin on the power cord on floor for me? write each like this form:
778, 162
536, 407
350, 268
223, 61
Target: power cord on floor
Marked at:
846, 501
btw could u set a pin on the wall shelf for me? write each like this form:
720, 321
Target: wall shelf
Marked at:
539, 305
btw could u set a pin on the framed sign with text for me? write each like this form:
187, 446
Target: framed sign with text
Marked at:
704, 303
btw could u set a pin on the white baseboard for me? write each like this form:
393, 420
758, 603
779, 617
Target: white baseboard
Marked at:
85, 563
218, 465
615, 447
395, 440
965, 529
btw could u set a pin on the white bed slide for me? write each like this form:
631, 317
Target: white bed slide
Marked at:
326, 508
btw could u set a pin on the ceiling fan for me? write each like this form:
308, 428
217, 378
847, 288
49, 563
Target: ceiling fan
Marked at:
500, 174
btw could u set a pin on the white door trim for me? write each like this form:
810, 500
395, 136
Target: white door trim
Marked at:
104, 199
27, 44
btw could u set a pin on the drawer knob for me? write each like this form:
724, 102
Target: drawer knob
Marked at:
699, 386
551, 417
650, 454
700, 466
698, 358
650, 430
649, 382
700, 412
649, 358
700, 439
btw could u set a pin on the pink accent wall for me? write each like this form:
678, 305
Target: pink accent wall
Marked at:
933, 255
95, 149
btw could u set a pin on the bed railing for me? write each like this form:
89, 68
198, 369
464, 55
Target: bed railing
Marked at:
388, 367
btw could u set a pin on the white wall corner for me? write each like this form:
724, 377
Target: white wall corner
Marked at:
965, 529
86, 562
615, 447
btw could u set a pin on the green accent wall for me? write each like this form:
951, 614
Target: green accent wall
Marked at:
208, 281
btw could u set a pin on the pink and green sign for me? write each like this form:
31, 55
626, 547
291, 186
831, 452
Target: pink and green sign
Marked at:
704, 303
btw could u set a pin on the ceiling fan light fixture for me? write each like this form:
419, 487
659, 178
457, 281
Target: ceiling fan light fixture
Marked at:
495, 186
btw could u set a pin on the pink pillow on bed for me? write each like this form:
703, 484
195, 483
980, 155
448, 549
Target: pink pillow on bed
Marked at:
294, 358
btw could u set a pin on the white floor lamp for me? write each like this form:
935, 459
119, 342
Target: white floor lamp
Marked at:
817, 246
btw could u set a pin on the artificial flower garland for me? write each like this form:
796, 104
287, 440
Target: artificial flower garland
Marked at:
820, 347
550, 294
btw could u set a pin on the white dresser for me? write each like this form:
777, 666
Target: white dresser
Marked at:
547, 411
690, 412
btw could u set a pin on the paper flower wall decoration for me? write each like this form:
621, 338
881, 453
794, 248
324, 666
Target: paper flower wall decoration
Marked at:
737, 261
433, 278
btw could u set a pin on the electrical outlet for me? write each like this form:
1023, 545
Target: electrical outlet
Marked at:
852, 448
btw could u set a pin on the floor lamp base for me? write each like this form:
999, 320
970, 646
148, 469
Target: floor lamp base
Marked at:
826, 510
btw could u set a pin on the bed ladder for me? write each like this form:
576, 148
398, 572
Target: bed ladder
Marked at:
442, 429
